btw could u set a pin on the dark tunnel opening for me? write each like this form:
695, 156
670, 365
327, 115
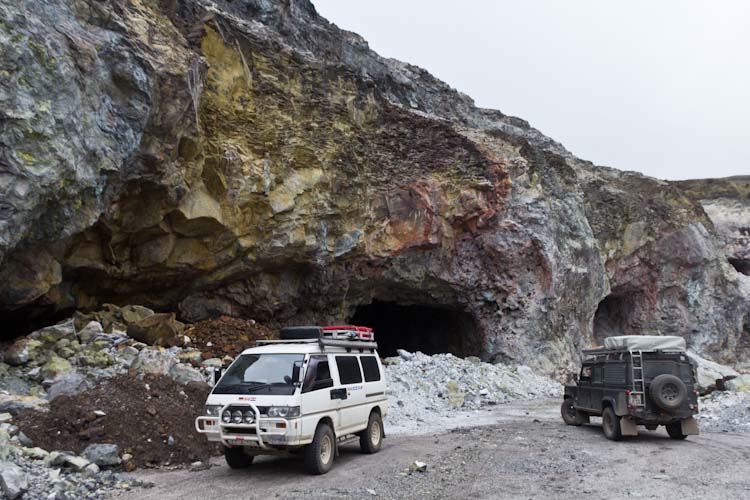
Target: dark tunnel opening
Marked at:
741, 265
429, 329
616, 315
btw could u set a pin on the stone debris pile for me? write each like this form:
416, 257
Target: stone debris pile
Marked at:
725, 411
430, 391
30, 472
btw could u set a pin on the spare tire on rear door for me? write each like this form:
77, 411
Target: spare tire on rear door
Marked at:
668, 392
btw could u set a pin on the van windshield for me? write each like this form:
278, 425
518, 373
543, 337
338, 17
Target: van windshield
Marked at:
260, 374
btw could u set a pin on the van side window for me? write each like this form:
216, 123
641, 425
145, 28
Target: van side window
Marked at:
348, 370
370, 367
318, 375
598, 374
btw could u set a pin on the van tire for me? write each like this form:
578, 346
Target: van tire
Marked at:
675, 430
611, 424
569, 414
371, 439
319, 454
237, 458
668, 392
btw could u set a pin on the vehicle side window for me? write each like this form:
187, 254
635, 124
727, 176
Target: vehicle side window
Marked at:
598, 374
586, 372
348, 370
318, 375
370, 367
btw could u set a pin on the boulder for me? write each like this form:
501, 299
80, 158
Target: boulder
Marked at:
192, 357
103, 455
55, 367
89, 332
35, 453
184, 374
710, 375
135, 313
154, 361
158, 329
22, 351
12, 480
51, 334
739, 384
67, 384
5, 445
13, 403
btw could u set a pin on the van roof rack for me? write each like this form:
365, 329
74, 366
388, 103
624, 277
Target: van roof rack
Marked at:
349, 337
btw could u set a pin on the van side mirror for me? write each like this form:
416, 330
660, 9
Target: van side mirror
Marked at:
217, 374
296, 372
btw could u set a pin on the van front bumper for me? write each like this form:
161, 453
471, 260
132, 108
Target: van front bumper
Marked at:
264, 433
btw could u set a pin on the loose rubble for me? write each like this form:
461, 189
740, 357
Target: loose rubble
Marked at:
725, 411
150, 419
429, 393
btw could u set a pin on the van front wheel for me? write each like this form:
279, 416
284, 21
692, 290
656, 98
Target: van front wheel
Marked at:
371, 438
319, 454
237, 458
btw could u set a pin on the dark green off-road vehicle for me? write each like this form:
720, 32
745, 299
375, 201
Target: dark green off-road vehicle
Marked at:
635, 380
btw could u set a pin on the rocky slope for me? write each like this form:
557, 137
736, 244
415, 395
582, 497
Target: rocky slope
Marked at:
249, 158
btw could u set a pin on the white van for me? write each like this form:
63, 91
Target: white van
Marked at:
310, 391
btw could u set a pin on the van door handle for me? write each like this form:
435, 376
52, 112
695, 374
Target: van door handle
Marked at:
338, 394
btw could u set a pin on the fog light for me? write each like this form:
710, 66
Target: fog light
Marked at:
237, 416
226, 417
249, 416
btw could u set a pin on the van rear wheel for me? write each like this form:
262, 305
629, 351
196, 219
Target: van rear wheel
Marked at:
611, 424
371, 438
237, 458
569, 414
319, 454
675, 430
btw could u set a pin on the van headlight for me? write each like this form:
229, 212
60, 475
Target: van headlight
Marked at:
284, 411
212, 410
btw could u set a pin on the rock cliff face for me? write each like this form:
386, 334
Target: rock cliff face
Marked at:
249, 158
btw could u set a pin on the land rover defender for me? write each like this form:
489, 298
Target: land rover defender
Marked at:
635, 380
310, 391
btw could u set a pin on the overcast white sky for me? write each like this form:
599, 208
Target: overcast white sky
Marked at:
662, 87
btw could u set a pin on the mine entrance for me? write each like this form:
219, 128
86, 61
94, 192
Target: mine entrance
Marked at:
741, 265
616, 315
428, 329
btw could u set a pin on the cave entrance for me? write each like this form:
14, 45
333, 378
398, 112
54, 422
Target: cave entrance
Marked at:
617, 314
741, 265
429, 329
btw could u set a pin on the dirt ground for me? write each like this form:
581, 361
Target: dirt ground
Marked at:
139, 416
528, 453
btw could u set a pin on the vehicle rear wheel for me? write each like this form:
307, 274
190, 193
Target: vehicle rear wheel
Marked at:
371, 438
611, 424
569, 414
237, 458
319, 454
675, 430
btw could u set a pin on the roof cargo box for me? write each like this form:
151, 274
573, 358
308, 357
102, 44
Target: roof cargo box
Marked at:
301, 332
645, 343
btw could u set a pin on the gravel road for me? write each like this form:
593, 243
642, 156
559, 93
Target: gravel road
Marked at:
527, 453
